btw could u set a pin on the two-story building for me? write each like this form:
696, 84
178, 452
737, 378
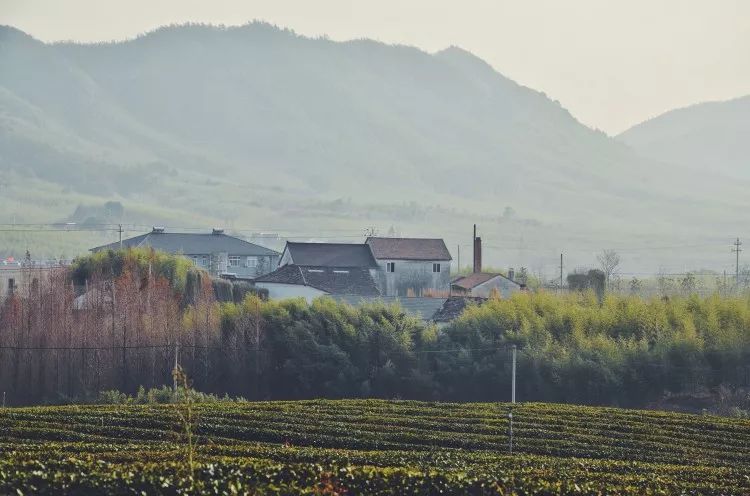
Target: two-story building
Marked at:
412, 266
217, 252
405, 267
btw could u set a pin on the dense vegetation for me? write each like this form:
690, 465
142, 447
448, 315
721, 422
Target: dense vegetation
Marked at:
144, 309
370, 447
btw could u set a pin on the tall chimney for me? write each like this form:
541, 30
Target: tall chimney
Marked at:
511, 274
477, 252
474, 250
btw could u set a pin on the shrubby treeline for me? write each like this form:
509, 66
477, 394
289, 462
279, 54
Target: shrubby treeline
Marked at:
140, 311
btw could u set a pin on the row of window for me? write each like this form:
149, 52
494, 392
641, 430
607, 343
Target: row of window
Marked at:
252, 262
391, 267
234, 261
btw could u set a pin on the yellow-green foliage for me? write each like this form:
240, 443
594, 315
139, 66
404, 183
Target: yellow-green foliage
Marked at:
108, 263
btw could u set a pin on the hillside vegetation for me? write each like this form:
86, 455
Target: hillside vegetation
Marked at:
370, 447
257, 127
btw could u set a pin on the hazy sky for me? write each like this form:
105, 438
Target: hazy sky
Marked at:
611, 63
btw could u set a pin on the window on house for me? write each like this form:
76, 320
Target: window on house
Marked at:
252, 262
436, 267
390, 267
234, 261
11, 285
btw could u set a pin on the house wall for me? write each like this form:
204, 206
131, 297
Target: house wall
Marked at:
6, 275
23, 279
504, 286
286, 259
416, 276
279, 291
219, 263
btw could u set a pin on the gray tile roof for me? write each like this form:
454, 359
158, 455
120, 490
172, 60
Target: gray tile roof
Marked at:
332, 280
455, 306
192, 244
422, 308
330, 254
409, 249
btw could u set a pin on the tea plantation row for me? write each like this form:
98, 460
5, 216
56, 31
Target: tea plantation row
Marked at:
370, 447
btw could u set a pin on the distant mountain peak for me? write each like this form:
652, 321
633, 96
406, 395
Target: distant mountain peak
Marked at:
9, 33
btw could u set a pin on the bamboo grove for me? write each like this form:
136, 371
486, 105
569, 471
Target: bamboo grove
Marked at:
120, 320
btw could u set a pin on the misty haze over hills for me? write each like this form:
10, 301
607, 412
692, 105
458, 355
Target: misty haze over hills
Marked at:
709, 136
258, 127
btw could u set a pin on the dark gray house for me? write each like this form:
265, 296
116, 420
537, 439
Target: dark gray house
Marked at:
216, 252
412, 266
310, 270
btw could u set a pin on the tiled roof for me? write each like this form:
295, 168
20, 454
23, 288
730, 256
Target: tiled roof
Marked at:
475, 279
409, 249
332, 280
422, 308
454, 307
330, 254
192, 244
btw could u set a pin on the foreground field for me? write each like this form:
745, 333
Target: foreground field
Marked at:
370, 447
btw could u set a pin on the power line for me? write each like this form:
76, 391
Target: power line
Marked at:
200, 347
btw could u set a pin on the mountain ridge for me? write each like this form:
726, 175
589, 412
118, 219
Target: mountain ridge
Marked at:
699, 136
256, 125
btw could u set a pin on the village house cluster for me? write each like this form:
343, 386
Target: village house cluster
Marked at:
413, 272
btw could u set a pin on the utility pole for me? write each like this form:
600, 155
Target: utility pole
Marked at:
513, 378
561, 273
459, 259
176, 364
119, 231
736, 250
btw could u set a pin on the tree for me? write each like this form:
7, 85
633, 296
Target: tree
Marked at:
609, 262
635, 286
523, 276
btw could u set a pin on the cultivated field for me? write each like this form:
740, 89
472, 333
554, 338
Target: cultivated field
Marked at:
370, 447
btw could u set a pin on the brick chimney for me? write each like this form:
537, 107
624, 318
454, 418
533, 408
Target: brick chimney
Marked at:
477, 252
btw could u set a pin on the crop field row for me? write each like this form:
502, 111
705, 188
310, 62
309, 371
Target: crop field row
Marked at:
370, 447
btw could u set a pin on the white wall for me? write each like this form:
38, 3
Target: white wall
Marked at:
415, 275
279, 291
503, 285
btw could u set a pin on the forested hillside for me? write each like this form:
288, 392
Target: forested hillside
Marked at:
257, 127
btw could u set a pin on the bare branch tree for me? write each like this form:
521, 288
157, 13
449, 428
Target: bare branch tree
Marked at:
609, 262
